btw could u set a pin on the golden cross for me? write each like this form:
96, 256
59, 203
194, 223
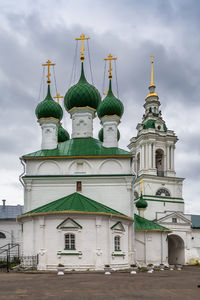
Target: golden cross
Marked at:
152, 57
58, 97
82, 38
48, 63
141, 185
110, 58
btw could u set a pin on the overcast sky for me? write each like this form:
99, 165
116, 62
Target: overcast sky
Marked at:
33, 31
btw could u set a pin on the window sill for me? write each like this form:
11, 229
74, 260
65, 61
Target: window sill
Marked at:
118, 254
69, 253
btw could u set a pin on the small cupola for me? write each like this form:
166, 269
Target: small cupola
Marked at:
49, 108
49, 113
63, 134
82, 94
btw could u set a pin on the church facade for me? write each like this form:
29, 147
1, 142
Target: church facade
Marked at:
81, 193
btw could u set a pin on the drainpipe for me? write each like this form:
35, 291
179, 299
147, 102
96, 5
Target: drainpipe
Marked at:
24, 170
145, 247
161, 247
133, 238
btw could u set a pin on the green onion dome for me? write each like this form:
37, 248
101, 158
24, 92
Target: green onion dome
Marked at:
49, 108
142, 203
63, 135
100, 135
110, 105
82, 94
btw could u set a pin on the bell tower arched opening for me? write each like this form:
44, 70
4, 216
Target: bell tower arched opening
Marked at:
159, 159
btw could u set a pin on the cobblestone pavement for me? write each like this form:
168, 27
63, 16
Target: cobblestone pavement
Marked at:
75, 286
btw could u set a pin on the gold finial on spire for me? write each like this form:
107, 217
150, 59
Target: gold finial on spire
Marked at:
82, 38
141, 185
48, 64
58, 96
110, 58
152, 57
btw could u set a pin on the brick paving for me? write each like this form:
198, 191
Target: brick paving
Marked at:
160, 285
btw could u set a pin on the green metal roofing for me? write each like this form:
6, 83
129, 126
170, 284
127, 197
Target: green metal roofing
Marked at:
142, 224
79, 147
195, 221
74, 203
49, 108
63, 135
149, 124
110, 105
100, 135
82, 94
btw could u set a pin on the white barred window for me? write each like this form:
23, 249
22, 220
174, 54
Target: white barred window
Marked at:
70, 241
117, 243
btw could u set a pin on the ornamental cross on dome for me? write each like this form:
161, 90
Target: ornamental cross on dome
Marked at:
152, 57
110, 58
58, 96
82, 38
48, 64
141, 185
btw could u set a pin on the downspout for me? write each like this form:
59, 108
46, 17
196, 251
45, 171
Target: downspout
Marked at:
24, 170
133, 238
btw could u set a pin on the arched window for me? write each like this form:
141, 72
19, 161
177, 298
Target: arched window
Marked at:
70, 241
136, 196
117, 243
2, 235
160, 162
163, 192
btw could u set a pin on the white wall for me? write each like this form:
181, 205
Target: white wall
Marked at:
95, 241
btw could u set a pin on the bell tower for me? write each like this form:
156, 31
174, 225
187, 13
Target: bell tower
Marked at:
153, 150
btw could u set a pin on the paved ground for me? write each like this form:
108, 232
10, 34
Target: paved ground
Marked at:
159, 285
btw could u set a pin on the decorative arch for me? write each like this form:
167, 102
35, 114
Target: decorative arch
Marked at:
138, 162
163, 192
80, 167
176, 249
49, 167
110, 164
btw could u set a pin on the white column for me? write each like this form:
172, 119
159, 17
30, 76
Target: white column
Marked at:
154, 156
147, 158
142, 156
168, 162
172, 158
150, 156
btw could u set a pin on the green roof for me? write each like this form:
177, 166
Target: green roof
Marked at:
79, 147
195, 221
142, 224
49, 108
74, 203
110, 105
82, 94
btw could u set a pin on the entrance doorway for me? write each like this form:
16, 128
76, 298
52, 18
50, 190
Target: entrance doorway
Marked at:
176, 250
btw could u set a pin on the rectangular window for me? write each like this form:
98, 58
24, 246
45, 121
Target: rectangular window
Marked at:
174, 220
117, 243
79, 186
70, 241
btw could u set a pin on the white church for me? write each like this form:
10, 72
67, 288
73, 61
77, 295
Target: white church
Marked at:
89, 203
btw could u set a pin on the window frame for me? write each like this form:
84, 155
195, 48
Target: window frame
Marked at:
71, 241
117, 243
